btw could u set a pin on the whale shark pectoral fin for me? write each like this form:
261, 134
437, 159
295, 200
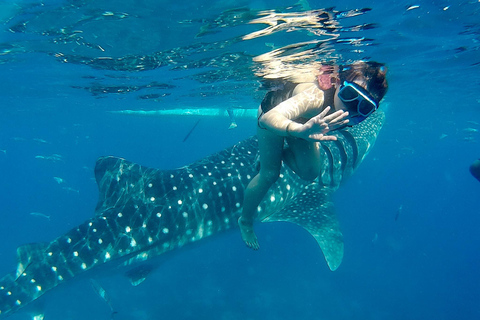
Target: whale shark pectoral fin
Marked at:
314, 211
139, 274
28, 253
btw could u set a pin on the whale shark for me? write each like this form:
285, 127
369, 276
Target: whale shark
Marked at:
145, 212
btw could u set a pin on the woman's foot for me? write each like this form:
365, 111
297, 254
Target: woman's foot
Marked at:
248, 235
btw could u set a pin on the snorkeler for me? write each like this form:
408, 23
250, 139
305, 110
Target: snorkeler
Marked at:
303, 114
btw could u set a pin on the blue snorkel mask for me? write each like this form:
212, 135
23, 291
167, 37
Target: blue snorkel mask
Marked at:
357, 100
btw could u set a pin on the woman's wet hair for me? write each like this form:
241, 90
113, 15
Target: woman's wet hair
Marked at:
373, 74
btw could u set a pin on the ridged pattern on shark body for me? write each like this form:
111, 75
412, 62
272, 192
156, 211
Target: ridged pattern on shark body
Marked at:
144, 212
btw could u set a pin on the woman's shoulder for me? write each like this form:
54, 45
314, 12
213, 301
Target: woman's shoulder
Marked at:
300, 87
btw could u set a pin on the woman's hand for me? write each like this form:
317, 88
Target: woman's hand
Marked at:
317, 127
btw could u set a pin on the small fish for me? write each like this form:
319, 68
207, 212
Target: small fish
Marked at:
40, 215
473, 122
39, 316
191, 130
407, 150
233, 121
102, 293
399, 211
53, 157
443, 136
470, 130
40, 140
71, 189
58, 180
414, 6
3, 151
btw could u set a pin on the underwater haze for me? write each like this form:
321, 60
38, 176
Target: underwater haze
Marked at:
79, 78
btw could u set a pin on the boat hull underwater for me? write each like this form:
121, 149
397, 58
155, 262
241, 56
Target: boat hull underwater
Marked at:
144, 212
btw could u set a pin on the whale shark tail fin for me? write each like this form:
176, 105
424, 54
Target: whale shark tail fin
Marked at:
314, 211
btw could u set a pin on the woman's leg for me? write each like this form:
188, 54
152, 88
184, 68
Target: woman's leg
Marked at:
270, 149
303, 158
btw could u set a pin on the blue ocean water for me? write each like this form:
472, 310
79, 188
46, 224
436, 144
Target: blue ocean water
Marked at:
409, 215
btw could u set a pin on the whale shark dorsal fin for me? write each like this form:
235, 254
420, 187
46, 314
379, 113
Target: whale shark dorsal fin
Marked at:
28, 253
314, 211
